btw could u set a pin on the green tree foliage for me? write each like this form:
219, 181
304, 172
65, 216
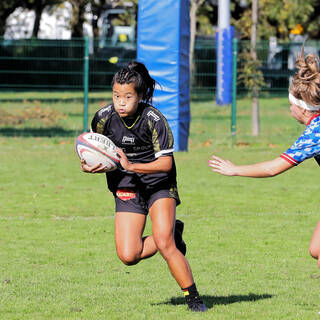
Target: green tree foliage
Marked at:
249, 71
278, 18
78, 17
275, 18
207, 15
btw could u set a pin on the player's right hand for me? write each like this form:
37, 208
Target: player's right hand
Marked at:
99, 168
222, 166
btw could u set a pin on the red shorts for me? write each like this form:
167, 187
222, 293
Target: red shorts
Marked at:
133, 201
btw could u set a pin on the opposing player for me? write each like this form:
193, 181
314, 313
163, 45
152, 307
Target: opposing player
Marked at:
304, 98
147, 181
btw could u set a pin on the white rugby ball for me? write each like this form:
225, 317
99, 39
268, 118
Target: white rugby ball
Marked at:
96, 148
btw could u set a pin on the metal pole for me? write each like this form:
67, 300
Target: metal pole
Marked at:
234, 88
85, 84
223, 14
255, 91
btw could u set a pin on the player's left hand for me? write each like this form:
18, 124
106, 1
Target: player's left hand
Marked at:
222, 166
125, 163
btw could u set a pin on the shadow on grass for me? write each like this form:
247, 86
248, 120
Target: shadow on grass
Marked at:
210, 301
38, 132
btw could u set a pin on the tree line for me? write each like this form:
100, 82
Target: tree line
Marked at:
277, 18
79, 8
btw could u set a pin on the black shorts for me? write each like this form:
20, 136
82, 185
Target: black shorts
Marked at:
133, 201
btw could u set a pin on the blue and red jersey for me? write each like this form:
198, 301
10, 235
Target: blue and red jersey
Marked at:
307, 145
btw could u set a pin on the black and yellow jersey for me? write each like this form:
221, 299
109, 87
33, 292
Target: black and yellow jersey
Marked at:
143, 137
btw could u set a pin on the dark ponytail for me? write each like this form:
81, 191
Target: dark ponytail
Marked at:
137, 73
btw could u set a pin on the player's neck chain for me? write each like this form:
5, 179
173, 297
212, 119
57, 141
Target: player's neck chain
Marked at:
134, 122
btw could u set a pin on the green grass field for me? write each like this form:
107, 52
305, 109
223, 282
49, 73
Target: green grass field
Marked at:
247, 238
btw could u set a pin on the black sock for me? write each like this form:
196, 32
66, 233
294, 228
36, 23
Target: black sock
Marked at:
193, 300
191, 292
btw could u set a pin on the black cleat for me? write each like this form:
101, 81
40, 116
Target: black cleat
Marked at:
180, 244
195, 304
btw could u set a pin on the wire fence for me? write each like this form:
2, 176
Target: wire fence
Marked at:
35, 64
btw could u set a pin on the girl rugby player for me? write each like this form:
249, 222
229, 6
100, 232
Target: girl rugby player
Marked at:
146, 183
304, 98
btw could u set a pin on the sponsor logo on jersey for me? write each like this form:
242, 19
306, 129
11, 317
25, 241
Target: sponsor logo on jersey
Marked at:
128, 140
125, 195
153, 115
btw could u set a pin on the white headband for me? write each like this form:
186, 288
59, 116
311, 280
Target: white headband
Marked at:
303, 104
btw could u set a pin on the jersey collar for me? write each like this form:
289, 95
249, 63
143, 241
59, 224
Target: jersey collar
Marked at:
135, 118
313, 117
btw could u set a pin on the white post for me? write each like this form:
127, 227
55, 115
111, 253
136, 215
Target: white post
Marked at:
224, 14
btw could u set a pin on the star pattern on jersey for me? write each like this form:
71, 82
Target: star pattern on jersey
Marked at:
307, 145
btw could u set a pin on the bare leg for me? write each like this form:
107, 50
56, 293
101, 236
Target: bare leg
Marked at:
162, 213
130, 246
314, 247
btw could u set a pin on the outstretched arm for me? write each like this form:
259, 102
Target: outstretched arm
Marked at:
257, 170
